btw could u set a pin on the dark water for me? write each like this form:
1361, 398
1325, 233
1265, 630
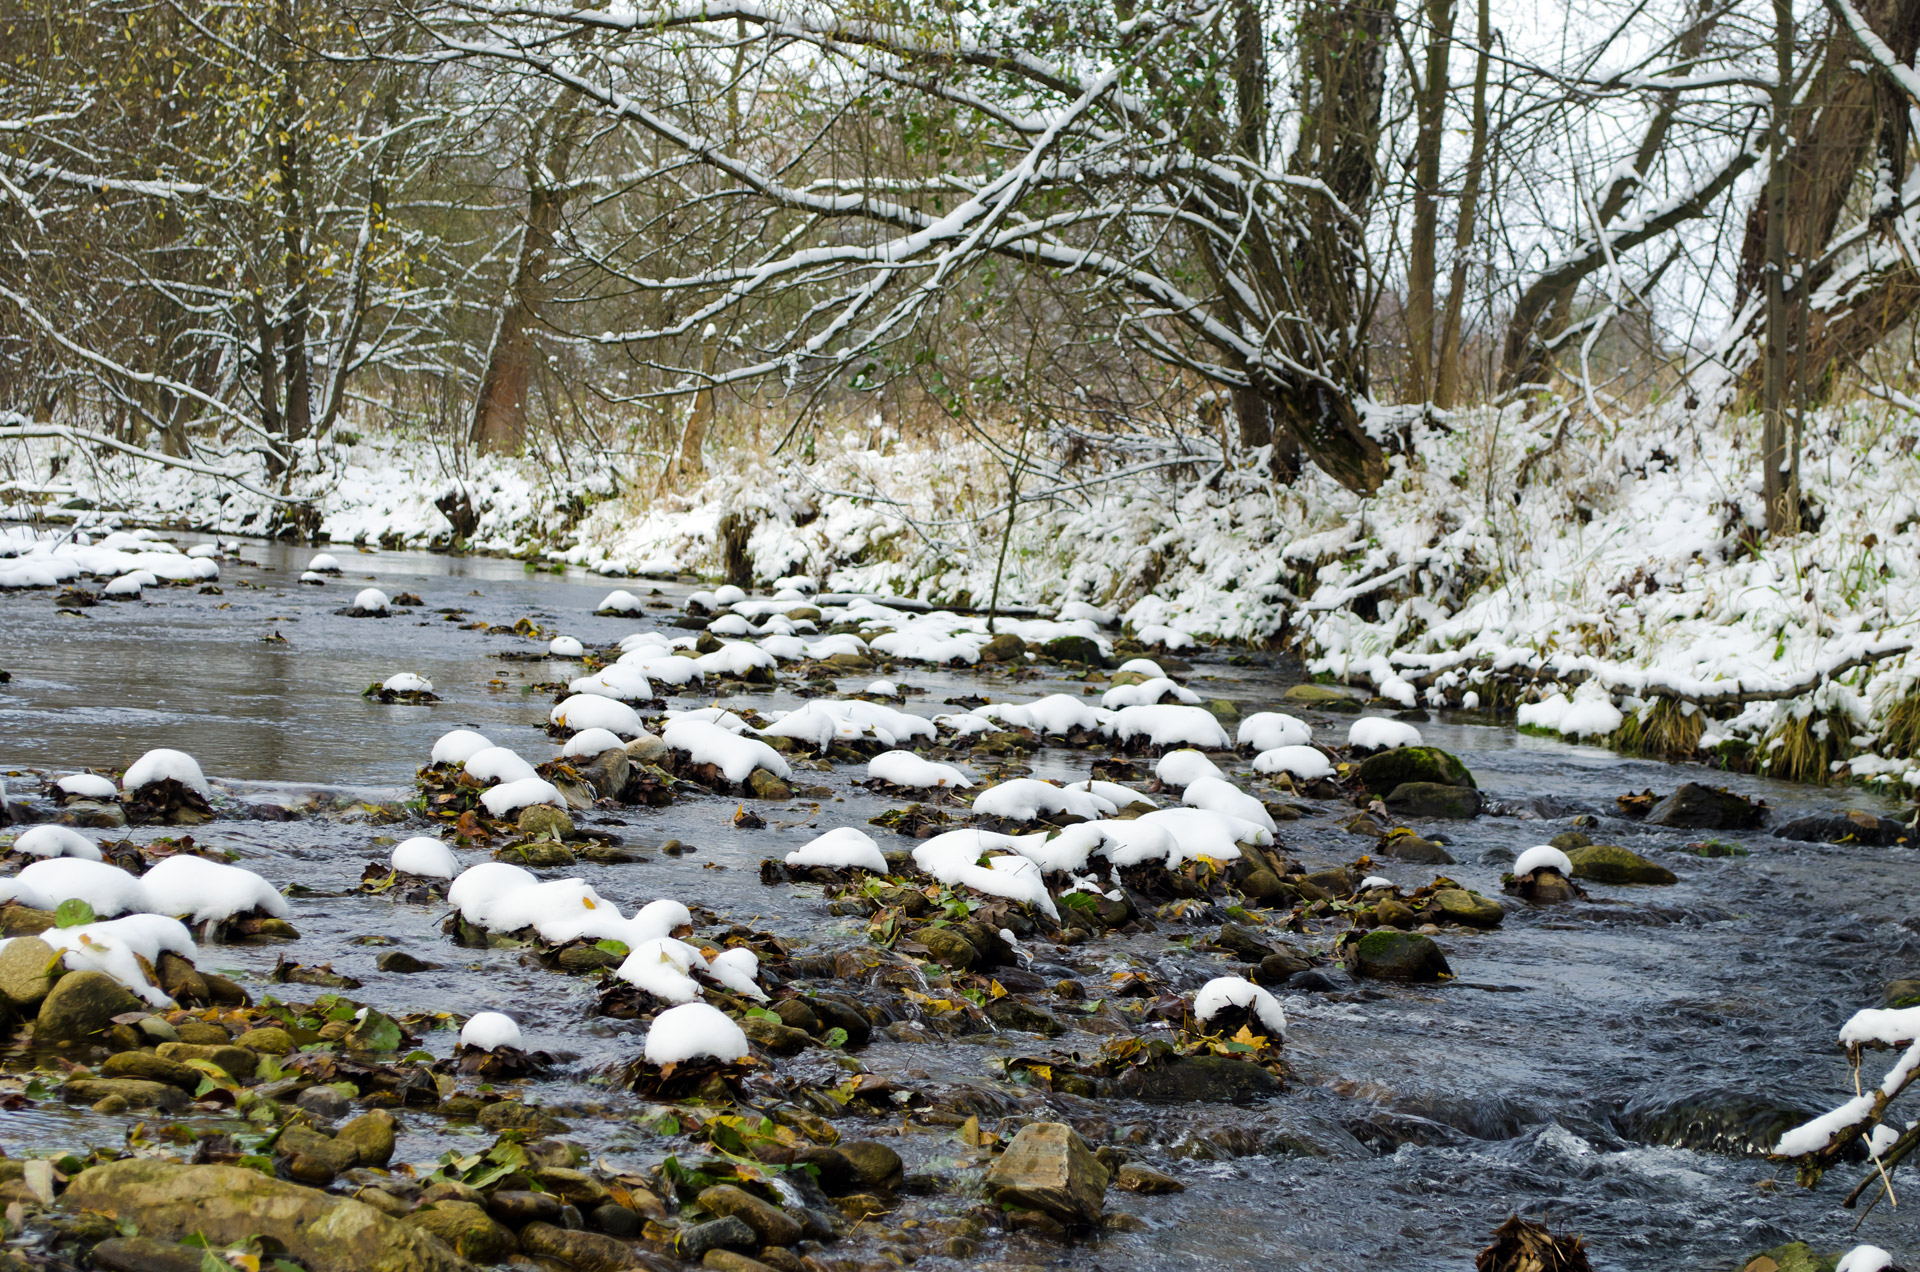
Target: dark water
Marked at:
1419, 1118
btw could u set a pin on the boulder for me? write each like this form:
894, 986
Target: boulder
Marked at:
1696, 806
1049, 1168
1610, 863
647, 749
1200, 1079
23, 972
1471, 909
1434, 799
1411, 847
1016, 1014
1850, 827
874, 1164
764, 785
1006, 647
271, 1040
580, 1250
1385, 954
1385, 770
237, 1061
80, 1005
1795, 1256
181, 979
948, 947
226, 1204
1141, 1178
468, 1230
137, 1093
323, 1150
774, 1226
371, 1136
543, 821
771, 1035
607, 773
143, 1254
1074, 649
517, 1207
152, 1067
729, 1232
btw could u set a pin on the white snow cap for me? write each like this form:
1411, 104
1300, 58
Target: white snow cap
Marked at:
591, 742
1167, 725
312, 576
459, 746
489, 1030
324, 563
1114, 793
110, 947
1178, 768
1141, 666
1305, 762
161, 764
125, 585
1377, 733
592, 711
694, 1031
660, 918
510, 797
1375, 881
88, 786
1146, 693
662, 967
621, 602
843, 848
1224, 797
735, 757
624, 682
954, 859
904, 768
495, 764
56, 841
1268, 730
884, 689
370, 600
738, 969
425, 856
1864, 1258
43, 885
1543, 857
407, 682
1026, 798
1237, 991
728, 594
565, 647
199, 890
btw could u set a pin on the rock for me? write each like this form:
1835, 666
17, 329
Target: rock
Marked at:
138, 1093
23, 972
269, 1041
156, 1030
226, 1204
180, 979
1319, 980
1005, 647
323, 1102
1200, 1079
1850, 827
512, 1115
1407, 846
838, 1014
607, 773
795, 1013
575, 1187
1568, 840
732, 1261
729, 1232
304, 1141
1434, 799
1795, 1256
517, 1207
470, 1231
1074, 649
22, 920
371, 1135
1243, 941
1222, 710
1049, 1168
543, 821
202, 1033
1696, 806
1384, 770
1901, 993
874, 1164
401, 963
1471, 909
774, 1226
1278, 968
1141, 1178
1610, 863
614, 1219
142, 1254
948, 947
764, 785
1384, 954
1331, 883
1014, 1013
237, 1061
1326, 697
1394, 913
151, 1067
647, 749
80, 1005
1264, 885
781, 1040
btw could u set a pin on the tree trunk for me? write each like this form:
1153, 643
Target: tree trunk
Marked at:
1447, 388
688, 461
1430, 110
1780, 487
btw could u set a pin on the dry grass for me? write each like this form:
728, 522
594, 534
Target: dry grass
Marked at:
1663, 729
1799, 750
1900, 735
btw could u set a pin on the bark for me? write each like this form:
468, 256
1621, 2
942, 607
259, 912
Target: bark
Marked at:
1430, 108
1777, 461
688, 461
1447, 389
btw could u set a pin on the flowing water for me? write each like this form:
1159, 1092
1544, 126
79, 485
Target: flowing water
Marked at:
1561, 1077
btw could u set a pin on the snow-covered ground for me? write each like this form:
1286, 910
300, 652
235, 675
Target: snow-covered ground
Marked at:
1616, 572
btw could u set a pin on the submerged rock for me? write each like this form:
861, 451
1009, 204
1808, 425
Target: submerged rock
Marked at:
1610, 863
1696, 806
1385, 770
1853, 826
1433, 799
1200, 1079
1049, 1168
1386, 954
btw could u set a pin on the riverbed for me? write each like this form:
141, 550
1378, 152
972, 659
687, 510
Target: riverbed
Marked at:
1578, 1071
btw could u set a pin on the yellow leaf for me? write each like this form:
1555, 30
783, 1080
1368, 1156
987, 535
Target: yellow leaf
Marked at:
997, 990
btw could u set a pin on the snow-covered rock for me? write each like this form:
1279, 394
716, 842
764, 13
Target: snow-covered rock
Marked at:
1543, 857
1167, 725
1306, 762
1178, 768
162, 764
1223, 992
200, 891
425, 856
491, 1030
511, 797
407, 682
620, 602
88, 786
459, 746
1027, 798
370, 600
1271, 730
1224, 797
735, 757
55, 841
566, 647
843, 848
592, 711
1377, 733
904, 768
495, 764
43, 885
694, 1031
591, 742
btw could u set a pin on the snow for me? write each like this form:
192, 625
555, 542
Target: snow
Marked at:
668, 669
88, 786
201, 891
1165, 637
566, 647
55, 841
1223, 992
310, 576
585, 711
125, 585
425, 856
560, 910
843, 848
1588, 713
1168, 726
904, 768
1121, 797
162, 765
728, 594
407, 682
1057, 714
512, 796
1377, 733
1146, 693
739, 970
370, 600
1306, 762
883, 689
660, 918
823, 721
1178, 768
694, 1031
954, 859
1375, 881
1271, 730
1142, 666
43, 885
1122, 843
620, 681
662, 967
591, 742
1224, 797
489, 1031
1201, 832
735, 757
459, 746
734, 658
1864, 1258
494, 764
1077, 611
111, 946
1543, 857
1814, 1135
621, 602
324, 563
1028, 798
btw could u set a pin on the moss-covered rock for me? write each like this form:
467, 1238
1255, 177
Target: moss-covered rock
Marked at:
81, 1005
1470, 909
1385, 770
1610, 863
1082, 650
1433, 800
1386, 954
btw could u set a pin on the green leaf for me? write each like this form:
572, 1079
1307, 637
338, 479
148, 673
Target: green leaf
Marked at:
617, 948
761, 1013
73, 912
835, 1037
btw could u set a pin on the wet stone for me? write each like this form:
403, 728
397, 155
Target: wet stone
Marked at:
729, 1232
1047, 1167
773, 1225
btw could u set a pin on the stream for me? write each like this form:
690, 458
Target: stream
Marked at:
1578, 1071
